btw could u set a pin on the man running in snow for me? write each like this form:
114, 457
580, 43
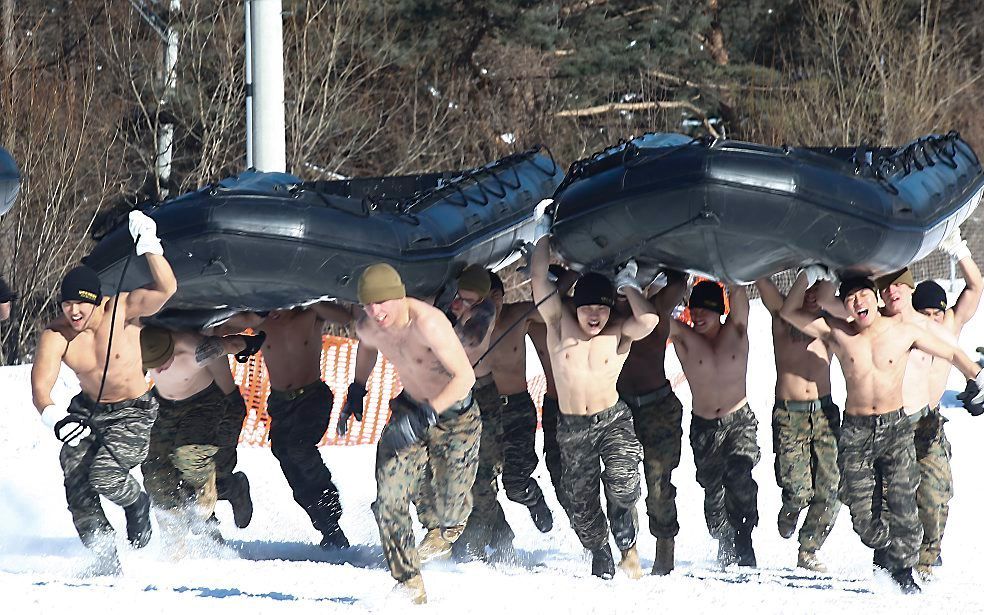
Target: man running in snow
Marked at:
657, 415
588, 346
877, 453
195, 428
105, 435
805, 424
714, 357
434, 423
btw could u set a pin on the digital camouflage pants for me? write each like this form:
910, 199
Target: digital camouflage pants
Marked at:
935, 482
587, 442
438, 473
551, 450
877, 462
101, 463
183, 447
519, 449
298, 421
658, 420
804, 437
725, 451
227, 439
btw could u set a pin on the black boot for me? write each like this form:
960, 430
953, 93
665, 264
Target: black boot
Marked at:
242, 503
602, 563
138, 521
726, 550
743, 548
880, 560
542, 517
903, 576
334, 539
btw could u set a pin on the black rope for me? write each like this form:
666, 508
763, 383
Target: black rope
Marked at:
513, 326
109, 349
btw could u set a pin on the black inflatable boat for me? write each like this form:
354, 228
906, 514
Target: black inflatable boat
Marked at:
738, 211
266, 241
9, 181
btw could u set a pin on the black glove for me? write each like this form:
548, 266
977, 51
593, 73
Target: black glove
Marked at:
967, 397
253, 345
72, 429
408, 424
354, 402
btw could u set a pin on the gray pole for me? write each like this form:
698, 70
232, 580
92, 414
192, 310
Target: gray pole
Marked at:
267, 55
249, 86
165, 132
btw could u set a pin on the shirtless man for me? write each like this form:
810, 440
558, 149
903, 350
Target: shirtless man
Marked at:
550, 413
714, 357
106, 429
932, 447
299, 406
657, 415
181, 468
805, 424
588, 346
427, 419
877, 454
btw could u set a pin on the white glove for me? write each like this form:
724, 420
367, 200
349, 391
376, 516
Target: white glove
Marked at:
143, 229
954, 246
979, 380
69, 432
543, 220
626, 277
658, 283
816, 272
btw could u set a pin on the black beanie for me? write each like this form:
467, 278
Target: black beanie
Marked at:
707, 295
82, 284
854, 284
594, 289
930, 295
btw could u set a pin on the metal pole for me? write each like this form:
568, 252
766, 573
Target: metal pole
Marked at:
249, 86
267, 53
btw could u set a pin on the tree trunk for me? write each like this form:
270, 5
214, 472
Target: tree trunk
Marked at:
715, 38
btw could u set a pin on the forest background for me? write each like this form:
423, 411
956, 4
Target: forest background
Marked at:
382, 87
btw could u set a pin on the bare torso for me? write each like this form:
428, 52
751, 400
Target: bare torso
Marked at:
874, 363
939, 373
86, 355
802, 363
586, 369
292, 351
183, 377
645, 368
422, 374
922, 371
507, 360
716, 369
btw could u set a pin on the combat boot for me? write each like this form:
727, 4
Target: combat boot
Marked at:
602, 563
138, 528
453, 533
414, 588
903, 577
925, 573
808, 560
664, 556
880, 559
726, 550
433, 546
334, 539
242, 503
206, 497
787, 522
542, 517
743, 548
630, 563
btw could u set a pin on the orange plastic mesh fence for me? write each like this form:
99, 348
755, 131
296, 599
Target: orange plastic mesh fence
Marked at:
338, 370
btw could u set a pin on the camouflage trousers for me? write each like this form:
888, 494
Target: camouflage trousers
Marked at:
183, 447
551, 450
935, 482
437, 474
227, 439
298, 421
519, 449
487, 522
725, 451
877, 461
101, 463
585, 443
658, 420
804, 437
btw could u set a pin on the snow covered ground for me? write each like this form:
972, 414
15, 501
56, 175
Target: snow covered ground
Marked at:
275, 566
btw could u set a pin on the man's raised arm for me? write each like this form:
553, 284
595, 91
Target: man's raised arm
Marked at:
739, 308
970, 298
545, 293
792, 311
771, 297
149, 300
